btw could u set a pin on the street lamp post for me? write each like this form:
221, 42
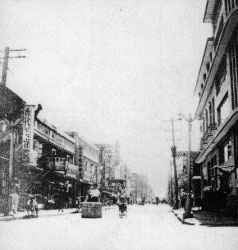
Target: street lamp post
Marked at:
188, 205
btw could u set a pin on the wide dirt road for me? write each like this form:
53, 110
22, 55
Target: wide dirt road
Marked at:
146, 227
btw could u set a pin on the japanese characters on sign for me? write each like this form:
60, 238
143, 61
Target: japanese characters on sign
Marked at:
28, 127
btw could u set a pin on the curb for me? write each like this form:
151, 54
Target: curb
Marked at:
182, 220
11, 218
221, 224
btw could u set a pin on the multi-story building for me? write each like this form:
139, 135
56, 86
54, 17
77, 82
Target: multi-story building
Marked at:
217, 89
87, 160
105, 169
182, 174
36, 156
134, 187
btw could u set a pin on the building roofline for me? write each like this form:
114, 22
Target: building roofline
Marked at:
209, 39
52, 127
82, 139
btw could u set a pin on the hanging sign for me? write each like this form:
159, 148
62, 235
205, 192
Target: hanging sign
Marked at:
72, 170
28, 132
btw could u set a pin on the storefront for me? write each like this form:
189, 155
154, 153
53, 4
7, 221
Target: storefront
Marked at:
61, 189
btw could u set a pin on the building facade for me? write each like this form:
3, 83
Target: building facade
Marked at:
182, 175
217, 90
36, 157
87, 160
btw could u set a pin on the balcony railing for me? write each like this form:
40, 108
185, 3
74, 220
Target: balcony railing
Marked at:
230, 5
211, 127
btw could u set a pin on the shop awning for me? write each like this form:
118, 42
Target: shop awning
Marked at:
63, 176
227, 166
86, 182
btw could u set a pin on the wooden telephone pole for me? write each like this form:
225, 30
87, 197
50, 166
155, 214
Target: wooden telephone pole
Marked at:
173, 149
5, 62
174, 154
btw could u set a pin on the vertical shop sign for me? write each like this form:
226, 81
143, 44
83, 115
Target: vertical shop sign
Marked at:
28, 132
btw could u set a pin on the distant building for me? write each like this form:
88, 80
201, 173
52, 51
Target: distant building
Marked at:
87, 158
182, 174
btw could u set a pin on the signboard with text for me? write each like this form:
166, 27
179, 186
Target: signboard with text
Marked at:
72, 170
28, 132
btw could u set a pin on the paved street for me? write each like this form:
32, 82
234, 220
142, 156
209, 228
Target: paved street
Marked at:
146, 227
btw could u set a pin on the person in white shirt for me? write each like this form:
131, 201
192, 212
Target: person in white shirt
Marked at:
94, 194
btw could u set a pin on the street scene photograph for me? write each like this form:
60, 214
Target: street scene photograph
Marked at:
119, 124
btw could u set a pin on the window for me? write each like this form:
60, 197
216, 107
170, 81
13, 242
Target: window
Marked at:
225, 152
223, 110
53, 152
210, 113
221, 155
206, 120
220, 77
208, 67
209, 170
215, 160
213, 111
233, 66
210, 55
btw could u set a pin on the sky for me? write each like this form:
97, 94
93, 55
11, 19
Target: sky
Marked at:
111, 70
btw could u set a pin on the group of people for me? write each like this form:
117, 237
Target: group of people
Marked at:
94, 195
31, 207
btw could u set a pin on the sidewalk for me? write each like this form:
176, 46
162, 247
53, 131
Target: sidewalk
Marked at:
45, 213
191, 221
41, 213
204, 218
213, 219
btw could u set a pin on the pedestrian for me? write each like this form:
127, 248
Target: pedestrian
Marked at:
157, 200
94, 194
182, 199
32, 206
88, 194
122, 208
14, 201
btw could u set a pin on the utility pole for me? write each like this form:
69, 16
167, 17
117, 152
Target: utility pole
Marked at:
173, 149
5, 66
5, 62
174, 154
